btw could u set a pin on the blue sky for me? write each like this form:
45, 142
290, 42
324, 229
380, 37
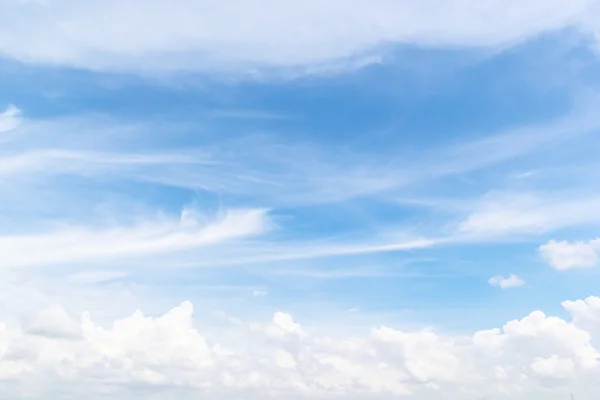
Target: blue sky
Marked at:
367, 172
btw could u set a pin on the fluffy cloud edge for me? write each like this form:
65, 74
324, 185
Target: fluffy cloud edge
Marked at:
280, 357
512, 281
565, 255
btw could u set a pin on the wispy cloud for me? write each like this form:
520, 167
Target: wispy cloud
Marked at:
203, 35
277, 171
496, 148
268, 251
511, 215
67, 162
397, 270
315, 249
76, 244
330, 274
9, 119
278, 174
93, 277
250, 114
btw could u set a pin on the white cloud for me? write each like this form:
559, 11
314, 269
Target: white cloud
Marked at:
538, 357
92, 277
507, 215
566, 255
275, 174
191, 34
511, 281
278, 171
9, 119
259, 293
75, 244
501, 219
553, 367
53, 322
58, 162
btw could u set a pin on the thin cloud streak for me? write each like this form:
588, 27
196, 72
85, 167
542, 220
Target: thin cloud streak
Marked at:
75, 244
281, 173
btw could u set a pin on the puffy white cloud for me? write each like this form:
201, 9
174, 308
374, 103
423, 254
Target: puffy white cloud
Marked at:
506, 283
200, 34
53, 322
10, 119
553, 367
537, 357
566, 255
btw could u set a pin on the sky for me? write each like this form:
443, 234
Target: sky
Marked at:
263, 199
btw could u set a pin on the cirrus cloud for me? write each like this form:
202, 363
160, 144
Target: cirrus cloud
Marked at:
161, 236
10, 119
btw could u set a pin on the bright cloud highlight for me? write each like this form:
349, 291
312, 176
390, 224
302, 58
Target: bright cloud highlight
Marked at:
9, 119
169, 353
565, 255
511, 281
200, 35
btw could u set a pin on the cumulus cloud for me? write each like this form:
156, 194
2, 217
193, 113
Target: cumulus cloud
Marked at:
506, 283
570, 255
190, 34
525, 357
10, 119
53, 322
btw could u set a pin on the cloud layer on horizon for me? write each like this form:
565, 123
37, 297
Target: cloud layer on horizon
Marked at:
54, 352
